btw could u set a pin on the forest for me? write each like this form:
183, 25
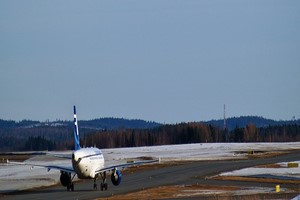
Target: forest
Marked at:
24, 136
186, 133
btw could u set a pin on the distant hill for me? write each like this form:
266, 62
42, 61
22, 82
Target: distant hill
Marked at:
19, 136
243, 121
117, 123
97, 124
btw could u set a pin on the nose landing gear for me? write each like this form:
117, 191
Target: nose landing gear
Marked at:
103, 185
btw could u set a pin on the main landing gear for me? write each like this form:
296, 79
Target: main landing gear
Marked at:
103, 185
70, 187
66, 180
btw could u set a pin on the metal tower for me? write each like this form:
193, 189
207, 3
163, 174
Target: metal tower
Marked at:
224, 117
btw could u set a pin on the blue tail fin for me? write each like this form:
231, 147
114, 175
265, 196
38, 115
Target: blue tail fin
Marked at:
76, 133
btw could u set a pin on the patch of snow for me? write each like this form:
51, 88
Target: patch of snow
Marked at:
190, 193
241, 191
202, 151
252, 171
296, 198
19, 177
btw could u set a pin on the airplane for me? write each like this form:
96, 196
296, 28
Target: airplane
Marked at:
87, 163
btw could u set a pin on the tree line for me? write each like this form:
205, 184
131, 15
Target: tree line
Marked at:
185, 133
61, 137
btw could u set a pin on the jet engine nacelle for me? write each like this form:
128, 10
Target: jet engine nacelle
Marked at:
116, 177
65, 179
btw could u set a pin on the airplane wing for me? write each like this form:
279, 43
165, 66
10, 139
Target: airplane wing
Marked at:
125, 165
65, 156
48, 167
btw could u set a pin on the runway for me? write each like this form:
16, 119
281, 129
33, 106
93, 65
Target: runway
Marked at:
183, 174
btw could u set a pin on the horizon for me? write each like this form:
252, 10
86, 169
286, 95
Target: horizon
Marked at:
122, 118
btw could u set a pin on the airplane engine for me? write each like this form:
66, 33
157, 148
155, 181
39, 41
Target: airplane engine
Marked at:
116, 177
65, 179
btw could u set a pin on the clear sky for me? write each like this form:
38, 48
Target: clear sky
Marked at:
162, 60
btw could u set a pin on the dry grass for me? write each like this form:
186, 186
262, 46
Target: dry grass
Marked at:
208, 192
266, 154
274, 166
176, 191
19, 158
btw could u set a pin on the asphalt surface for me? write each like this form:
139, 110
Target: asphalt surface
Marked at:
183, 174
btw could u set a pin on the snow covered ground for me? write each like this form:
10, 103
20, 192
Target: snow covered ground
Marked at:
203, 151
23, 177
281, 173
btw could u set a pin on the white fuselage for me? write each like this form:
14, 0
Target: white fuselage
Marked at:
86, 161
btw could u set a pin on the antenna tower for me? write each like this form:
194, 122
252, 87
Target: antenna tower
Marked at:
224, 117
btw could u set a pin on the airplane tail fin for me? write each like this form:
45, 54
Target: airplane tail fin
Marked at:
76, 132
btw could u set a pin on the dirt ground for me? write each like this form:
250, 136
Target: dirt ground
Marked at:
19, 158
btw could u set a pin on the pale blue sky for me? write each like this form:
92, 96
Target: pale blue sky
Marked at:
162, 60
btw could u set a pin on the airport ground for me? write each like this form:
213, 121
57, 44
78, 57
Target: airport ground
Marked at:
179, 180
